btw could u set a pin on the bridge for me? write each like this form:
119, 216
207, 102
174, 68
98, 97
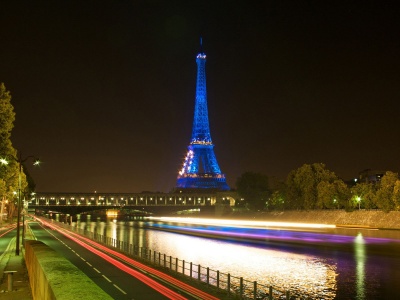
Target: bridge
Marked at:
147, 202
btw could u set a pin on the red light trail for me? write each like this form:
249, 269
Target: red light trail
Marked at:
4, 233
100, 249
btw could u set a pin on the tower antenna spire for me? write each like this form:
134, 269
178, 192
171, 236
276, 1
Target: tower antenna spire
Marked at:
201, 44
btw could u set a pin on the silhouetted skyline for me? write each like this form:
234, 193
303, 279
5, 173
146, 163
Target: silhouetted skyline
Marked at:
104, 91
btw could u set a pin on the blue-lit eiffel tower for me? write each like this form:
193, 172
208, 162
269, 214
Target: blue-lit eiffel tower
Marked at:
200, 169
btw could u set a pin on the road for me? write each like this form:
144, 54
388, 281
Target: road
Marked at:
118, 275
6, 235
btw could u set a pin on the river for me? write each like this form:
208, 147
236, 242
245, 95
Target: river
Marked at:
325, 263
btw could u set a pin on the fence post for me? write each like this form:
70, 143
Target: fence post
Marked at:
208, 275
176, 265
241, 288
270, 293
255, 290
218, 279
198, 272
229, 284
170, 262
165, 260
183, 266
191, 269
159, 258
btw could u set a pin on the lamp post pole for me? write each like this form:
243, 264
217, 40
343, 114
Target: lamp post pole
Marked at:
19, 205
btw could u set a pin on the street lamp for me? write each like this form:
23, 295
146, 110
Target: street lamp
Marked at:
20, 161
358, 200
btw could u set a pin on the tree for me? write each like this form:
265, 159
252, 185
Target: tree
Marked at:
7, 118
254, 188
277, 200
365, 192
332, 194
326, 195
396, 195
8, 173
302, 186
385, 196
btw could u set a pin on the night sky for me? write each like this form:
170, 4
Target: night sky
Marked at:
104, 90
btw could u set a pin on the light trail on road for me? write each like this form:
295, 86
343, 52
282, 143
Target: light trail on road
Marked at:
7, 231
100, 249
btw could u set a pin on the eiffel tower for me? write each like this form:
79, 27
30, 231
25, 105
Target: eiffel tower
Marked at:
200, 168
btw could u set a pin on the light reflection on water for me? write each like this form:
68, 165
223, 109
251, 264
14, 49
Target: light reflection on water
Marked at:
302, 273
346, 264
360, 257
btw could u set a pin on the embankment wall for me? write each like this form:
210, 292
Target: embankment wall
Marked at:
360, 218
53, 277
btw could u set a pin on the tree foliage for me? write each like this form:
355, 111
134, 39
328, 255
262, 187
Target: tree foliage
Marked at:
254, 189
385, 195
9, 179
313, 186
366, 193
7, 118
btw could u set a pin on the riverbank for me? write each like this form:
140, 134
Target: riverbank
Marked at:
357, 218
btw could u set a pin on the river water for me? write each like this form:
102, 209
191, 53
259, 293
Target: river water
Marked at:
323, 263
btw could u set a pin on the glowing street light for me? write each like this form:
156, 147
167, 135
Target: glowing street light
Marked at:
359, 201
20, 161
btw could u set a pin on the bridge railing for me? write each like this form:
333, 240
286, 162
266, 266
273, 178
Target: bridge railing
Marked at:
120, 199
233, 286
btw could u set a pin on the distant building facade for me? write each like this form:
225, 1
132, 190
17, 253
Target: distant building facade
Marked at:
370, 176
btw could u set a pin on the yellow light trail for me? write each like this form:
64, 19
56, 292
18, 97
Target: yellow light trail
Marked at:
240, 223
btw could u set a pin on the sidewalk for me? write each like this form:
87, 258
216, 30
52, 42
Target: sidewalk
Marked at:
10, 262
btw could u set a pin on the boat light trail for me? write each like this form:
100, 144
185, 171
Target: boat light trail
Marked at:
239, 223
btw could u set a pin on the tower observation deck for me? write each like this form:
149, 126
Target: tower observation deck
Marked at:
200, 168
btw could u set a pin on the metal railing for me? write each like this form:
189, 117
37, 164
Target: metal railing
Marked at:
235, 287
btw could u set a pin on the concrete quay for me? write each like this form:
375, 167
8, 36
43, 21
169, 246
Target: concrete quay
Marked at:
21, 289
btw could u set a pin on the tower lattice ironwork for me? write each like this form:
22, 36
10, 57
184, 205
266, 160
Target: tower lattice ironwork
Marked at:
200, 168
